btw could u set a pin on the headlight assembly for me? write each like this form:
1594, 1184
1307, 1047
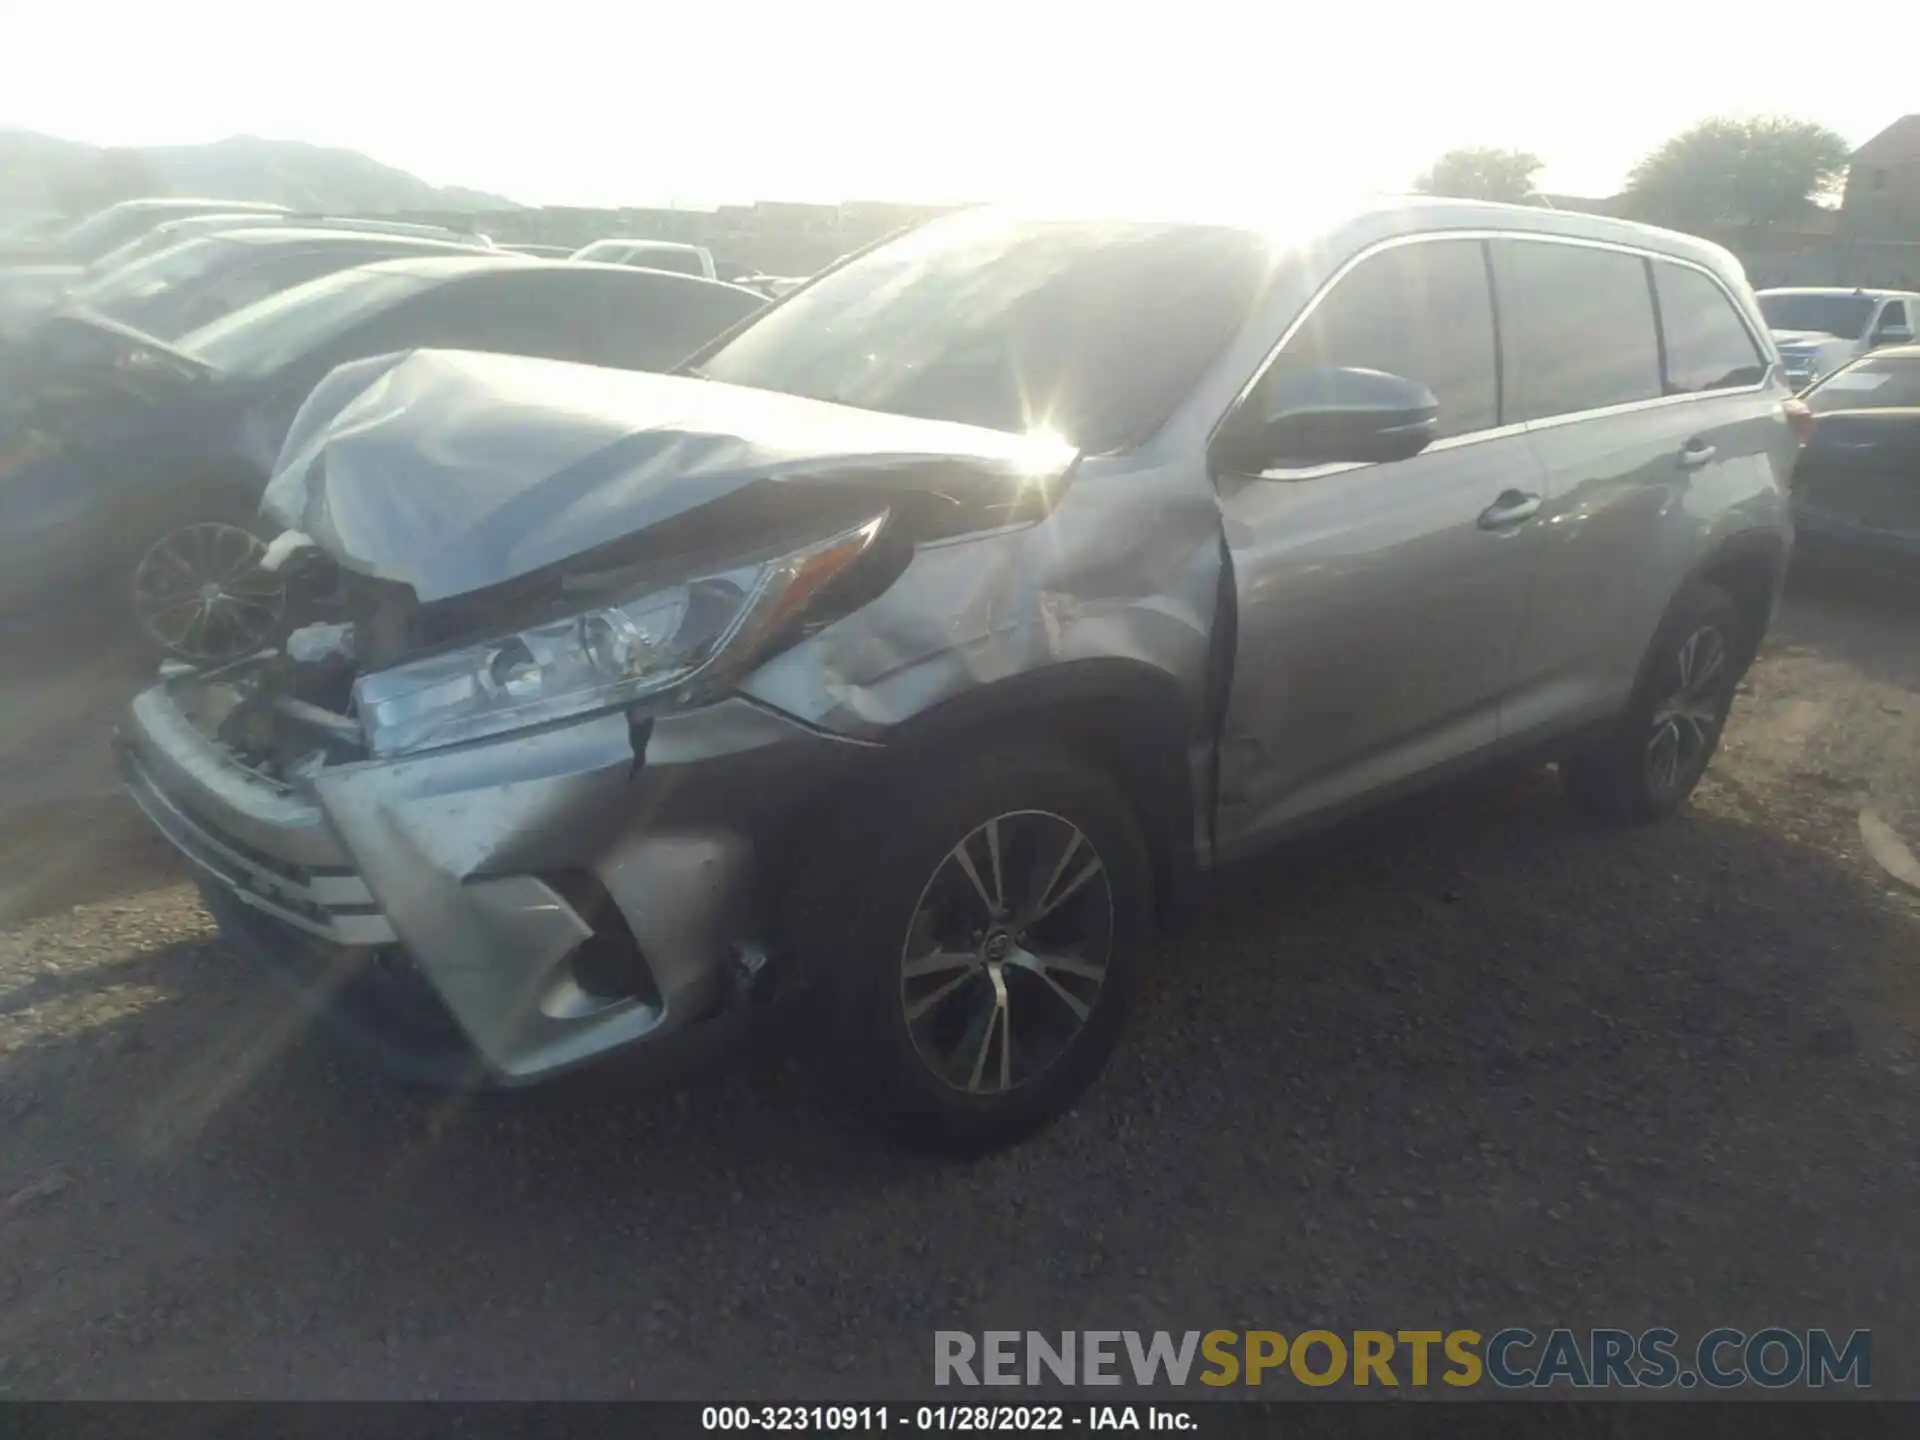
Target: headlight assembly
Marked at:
677, 644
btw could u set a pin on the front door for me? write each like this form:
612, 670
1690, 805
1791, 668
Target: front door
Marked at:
1378, 605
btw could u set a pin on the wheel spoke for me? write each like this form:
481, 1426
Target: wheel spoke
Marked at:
169, 552
1709, 671
1080, 1008
1051, 899
156, 618
1068, 965
926, 1002
938, 963
979, 887
998, 1019
1663, 754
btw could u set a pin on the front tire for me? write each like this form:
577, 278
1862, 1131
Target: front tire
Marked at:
1650, 765
198, 594
979, 943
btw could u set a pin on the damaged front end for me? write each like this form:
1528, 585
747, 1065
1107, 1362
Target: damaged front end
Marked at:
499, 910
520, 823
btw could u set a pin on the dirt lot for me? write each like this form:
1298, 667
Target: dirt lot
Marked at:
1473, 1064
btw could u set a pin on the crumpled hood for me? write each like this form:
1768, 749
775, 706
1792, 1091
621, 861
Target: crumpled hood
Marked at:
451, 471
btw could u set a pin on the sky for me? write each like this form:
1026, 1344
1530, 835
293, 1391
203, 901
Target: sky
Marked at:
589, 103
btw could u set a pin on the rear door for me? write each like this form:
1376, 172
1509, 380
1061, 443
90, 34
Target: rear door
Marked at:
1643, 394
1378, 605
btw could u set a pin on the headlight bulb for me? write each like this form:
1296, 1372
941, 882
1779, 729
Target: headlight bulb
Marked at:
512, 670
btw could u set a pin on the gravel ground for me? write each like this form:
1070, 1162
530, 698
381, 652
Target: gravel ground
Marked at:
1470, 1064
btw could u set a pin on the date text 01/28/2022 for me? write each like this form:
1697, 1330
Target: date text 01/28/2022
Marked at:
812, 1419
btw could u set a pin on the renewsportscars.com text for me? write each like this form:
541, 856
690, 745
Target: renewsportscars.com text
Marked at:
1509, 1359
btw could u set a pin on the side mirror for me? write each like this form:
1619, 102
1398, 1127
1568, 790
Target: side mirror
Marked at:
1330, 416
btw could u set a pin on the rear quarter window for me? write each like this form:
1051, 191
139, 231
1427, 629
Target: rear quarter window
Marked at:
1708, 347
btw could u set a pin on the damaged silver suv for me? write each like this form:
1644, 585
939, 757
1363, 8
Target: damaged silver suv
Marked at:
908, 650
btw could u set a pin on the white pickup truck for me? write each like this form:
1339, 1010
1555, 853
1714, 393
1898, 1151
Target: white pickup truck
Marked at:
1819, 330
673, 255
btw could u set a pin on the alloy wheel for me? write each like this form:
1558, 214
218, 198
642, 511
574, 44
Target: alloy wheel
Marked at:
1007, 952
1686, 723
199, 593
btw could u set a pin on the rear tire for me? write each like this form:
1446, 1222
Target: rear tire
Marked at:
977, 941
1662, 744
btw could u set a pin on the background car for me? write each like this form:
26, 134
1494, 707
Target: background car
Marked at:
34, 276
194, 284
1819, 330
140, 463
87, 240
653, 255
1856, 488
175, 232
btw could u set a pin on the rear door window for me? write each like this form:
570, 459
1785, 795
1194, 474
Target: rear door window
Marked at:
1708, 346
1423, 311
1577, 328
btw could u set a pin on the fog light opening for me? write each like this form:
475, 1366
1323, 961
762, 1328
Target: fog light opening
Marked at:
607, 965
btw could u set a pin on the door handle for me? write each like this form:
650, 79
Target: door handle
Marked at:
1512, 508
1695, 453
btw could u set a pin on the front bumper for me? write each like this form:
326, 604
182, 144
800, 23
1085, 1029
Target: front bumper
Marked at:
454, 864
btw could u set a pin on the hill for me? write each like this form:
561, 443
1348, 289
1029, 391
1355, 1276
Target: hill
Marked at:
41, 170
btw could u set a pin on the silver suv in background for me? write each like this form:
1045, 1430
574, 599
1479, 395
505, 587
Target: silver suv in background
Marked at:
1820, 330
908, 651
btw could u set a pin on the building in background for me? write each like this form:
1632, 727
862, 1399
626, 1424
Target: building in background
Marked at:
1882, 199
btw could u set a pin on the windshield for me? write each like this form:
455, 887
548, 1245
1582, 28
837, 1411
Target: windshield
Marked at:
172, 267
1843, 315
260, 338
1092, 330
1876, 384
602, 250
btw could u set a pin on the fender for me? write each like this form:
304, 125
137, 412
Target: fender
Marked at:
1132, 718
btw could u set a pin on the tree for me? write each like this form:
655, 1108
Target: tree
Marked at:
1727, 172
1481, 173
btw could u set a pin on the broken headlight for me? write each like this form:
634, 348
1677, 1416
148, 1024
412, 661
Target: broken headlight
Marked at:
676, 644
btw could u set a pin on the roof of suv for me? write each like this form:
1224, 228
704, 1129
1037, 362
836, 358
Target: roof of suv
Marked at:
1319, 216
1838, 290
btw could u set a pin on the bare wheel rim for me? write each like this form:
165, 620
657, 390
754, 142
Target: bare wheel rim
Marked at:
1688, 720
199, 592
1007, 952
